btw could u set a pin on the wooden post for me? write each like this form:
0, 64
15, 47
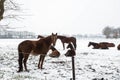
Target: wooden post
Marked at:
73, 68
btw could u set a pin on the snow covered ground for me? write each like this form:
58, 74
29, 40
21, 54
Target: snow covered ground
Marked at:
90, 64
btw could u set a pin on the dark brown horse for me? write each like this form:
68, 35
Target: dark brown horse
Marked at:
55, 53
65, 39
102, 45
40, 47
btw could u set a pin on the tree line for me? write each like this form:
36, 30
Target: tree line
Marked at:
111, 32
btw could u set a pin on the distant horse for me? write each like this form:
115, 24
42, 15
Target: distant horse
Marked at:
102, 45
65, 39
39, 47
95, 45
55, 53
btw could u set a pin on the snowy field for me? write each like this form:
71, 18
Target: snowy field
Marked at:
90, 64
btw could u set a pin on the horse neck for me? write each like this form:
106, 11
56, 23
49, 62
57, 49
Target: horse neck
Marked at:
61, 37
92, 44
48, 40
39, 36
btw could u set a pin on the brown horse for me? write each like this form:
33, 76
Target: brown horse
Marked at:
65, 39
102, 45
39, 47
55, 53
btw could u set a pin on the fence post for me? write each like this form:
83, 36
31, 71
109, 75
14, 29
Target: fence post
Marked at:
73, 67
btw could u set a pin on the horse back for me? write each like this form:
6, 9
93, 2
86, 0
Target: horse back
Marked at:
25, 46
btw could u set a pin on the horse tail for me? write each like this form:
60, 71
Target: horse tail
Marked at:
75, 45
20, 60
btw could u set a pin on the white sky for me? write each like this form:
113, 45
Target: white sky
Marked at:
71, 16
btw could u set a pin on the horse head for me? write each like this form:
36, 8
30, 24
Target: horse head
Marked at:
89, 44
54, 38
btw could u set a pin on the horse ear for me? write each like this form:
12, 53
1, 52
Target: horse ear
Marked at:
56, 33
52, 34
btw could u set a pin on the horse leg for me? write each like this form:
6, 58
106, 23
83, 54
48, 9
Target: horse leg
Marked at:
63, 46
25, 60
42, 57
39, 61
20, 62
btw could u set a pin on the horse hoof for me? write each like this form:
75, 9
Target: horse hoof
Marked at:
19, 71
40, 68
27, 70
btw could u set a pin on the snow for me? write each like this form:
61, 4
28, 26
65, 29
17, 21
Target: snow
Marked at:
90, 64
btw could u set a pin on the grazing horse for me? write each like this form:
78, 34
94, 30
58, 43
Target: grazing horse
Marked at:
40, 47
55, 53
95, 45
65, 39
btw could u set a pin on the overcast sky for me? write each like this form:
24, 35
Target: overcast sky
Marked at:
71, 16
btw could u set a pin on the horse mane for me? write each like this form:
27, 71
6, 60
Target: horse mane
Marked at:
61, 37
39, 47
39, 36
93, 43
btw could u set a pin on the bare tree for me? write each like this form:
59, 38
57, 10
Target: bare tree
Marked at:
115, 33
107, 31
1, 9
8, 6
